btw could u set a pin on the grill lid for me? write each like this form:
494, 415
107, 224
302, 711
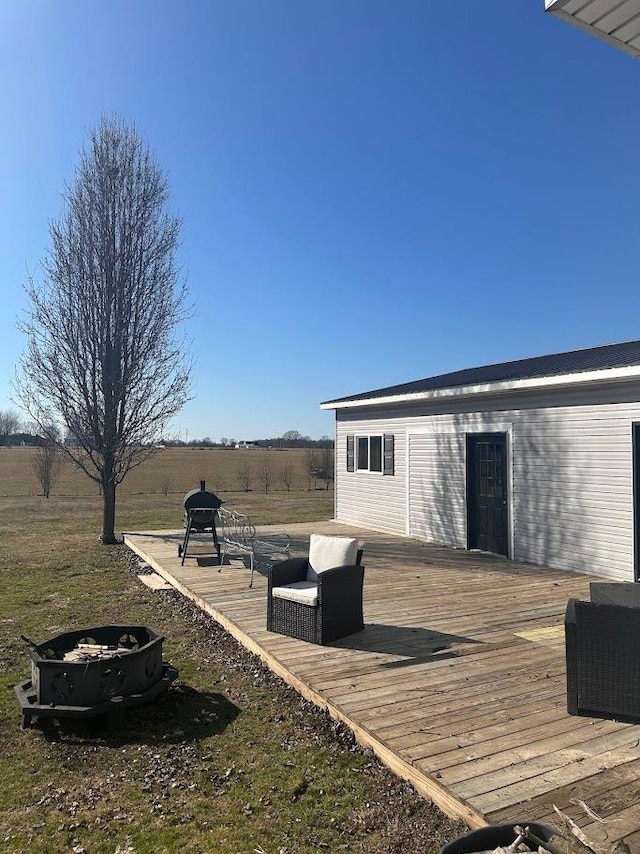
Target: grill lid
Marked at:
202, 498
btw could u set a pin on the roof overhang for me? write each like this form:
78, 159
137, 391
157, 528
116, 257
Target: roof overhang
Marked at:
565, 381
614, 21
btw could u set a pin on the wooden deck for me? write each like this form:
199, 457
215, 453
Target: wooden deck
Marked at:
457, 682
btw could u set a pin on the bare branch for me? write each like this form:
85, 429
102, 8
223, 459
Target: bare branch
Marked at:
103, 356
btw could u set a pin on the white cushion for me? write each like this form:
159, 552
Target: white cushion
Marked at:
327, 552
304, 592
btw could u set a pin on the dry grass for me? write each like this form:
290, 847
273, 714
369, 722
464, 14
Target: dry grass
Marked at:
230, 760
169, 471
151, 495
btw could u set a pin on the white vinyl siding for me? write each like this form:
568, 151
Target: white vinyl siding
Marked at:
375, 500
570, 482
573, 490
437, 503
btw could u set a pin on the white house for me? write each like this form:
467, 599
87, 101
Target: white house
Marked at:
535, 459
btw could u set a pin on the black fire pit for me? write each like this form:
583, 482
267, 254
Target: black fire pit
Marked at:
94, 671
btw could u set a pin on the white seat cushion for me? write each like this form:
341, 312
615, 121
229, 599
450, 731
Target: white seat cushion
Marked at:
304, 592
327, 552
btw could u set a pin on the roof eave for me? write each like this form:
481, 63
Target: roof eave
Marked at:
611, 375
606, 8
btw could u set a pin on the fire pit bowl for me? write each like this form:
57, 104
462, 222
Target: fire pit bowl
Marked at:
93, 671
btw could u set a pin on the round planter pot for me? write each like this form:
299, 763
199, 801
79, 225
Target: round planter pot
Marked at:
488, 838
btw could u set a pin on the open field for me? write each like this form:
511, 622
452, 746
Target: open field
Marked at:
231, 760
151, 495
169, 471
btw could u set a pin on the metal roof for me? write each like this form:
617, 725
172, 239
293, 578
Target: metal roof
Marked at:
600, 358
615, 21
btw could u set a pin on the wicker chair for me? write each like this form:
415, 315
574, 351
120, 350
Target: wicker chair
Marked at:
318, 598
603, 655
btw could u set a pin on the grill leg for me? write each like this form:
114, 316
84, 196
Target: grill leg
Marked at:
215, 541
185, 543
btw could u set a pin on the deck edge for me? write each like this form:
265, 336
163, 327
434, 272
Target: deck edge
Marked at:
426, 786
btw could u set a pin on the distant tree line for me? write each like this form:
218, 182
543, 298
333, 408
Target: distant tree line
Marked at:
293, 439
13, 431
290, 439
10, 426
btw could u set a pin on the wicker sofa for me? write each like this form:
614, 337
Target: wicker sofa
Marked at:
318, 598
603, 653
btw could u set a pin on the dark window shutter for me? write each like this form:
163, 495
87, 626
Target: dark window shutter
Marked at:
388, 454
350, 452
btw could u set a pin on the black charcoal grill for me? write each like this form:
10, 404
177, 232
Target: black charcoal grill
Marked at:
200, 515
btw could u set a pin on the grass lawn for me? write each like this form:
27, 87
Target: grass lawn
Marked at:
229, 760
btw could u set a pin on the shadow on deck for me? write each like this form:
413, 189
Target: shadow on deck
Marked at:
457, 682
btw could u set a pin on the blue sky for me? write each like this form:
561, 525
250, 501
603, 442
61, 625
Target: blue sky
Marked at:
372, 192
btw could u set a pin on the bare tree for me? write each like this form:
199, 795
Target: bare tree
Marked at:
325, 471
265, 474
102, 357
292, 436
9, 424
311, 462
245, 476
286, 475
47, 465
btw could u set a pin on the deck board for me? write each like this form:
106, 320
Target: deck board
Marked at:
457, 682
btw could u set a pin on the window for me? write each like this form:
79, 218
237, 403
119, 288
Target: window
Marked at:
363, 453
375, 453
371, 453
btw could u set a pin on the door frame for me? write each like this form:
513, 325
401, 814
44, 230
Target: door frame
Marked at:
635, 466
505, 435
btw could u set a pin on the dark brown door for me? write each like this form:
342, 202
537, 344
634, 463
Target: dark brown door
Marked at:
487, 508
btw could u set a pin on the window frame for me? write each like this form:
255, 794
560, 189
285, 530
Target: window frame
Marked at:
383, 453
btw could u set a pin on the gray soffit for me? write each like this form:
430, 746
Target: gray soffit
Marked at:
606, 357
614, 21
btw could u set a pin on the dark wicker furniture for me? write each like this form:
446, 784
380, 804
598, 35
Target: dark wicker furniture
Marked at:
603, 653
338, 611
615, 593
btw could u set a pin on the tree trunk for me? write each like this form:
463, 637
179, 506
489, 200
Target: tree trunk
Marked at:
108, 535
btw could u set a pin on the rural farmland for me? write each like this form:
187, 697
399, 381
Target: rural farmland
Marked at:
175, 470
152, 493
